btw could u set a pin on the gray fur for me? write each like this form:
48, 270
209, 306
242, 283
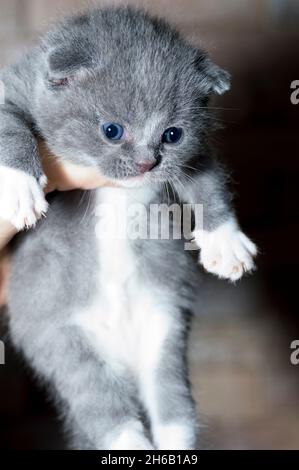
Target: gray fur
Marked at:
123, 66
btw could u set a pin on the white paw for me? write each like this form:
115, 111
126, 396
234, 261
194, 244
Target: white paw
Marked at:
22, 201
226, 251
175, 436
131, 437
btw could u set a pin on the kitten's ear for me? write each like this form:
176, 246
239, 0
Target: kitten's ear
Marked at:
213, 79
66, 62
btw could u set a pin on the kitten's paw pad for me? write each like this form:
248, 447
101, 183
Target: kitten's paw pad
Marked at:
22, 201
226, 252
130, 438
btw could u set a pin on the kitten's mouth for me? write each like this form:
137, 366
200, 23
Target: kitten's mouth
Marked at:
147, 166
143, 172
144, 176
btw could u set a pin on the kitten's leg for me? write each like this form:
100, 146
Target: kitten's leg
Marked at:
100, 402
164, 383
22, 180
224, 249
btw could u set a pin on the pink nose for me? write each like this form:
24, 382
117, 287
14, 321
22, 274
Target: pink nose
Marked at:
144, 167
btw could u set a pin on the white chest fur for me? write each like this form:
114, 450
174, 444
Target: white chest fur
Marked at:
123, 322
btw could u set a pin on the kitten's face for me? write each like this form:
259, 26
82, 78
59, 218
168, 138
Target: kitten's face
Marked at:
137, 111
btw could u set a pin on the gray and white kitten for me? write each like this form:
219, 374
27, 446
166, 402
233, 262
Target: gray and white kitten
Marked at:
104, 320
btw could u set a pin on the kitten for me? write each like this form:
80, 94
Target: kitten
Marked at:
105, 319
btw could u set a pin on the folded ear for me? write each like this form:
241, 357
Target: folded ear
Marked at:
213, 79
66, 61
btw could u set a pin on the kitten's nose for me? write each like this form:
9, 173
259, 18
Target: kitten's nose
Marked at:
146, 166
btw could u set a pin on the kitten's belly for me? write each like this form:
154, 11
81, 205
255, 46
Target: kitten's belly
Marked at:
124, 322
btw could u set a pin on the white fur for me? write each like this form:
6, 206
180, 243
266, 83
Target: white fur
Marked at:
22, 201
174, 436
124, 324
149, 128
131, 437
226, 251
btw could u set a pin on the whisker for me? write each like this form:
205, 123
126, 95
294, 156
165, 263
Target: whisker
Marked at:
87, 207
220, 120
179, 183
183, 165
212, 108
168, 194
188, 177
173, 191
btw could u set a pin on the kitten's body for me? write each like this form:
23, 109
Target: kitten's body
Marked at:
105, 320
108, 326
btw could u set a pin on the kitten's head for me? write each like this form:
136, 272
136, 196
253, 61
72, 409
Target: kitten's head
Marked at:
125, 93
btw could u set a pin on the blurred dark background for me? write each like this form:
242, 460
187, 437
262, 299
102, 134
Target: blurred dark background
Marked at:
246, 387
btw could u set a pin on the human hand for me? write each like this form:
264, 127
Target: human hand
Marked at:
62, 176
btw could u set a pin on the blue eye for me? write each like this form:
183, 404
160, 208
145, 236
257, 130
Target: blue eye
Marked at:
113, 131
172, 135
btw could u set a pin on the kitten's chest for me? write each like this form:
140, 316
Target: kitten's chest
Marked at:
120, 313
117, 261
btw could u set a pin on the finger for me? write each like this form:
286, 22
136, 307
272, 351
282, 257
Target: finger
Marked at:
65, 176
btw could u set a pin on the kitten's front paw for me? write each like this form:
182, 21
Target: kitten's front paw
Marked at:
22, 201
226, 251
